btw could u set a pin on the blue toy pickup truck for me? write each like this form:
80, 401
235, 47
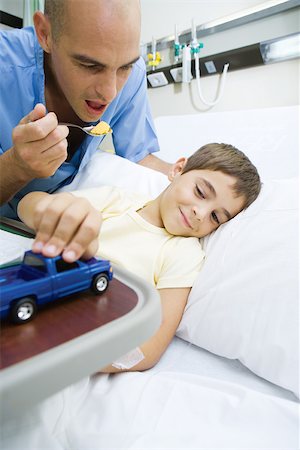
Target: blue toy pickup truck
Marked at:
39, 280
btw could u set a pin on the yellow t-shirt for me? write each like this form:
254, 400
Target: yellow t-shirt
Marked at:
129, 241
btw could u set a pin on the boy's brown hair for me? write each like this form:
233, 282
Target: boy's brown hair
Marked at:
231, 161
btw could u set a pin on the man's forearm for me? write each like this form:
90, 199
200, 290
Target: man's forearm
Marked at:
11, 178
155, 163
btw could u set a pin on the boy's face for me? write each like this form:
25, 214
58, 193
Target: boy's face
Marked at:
198, 202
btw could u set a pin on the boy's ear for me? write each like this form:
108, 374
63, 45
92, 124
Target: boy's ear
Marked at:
43, 30
177, 168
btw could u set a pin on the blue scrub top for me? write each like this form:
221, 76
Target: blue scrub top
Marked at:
22, 84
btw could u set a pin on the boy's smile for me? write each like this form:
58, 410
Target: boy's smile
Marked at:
195, 203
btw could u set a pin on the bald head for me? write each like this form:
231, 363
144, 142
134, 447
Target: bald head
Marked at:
55, 11
61, 12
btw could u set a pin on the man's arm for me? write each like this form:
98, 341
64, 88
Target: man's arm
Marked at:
155, 163
39, 148
173, 302
11, 179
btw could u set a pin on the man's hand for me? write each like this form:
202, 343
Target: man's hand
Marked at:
39, 143
39, 148
63, 224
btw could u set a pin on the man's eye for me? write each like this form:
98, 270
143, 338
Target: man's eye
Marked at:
199, 192
125, 68
92, 67
215, 218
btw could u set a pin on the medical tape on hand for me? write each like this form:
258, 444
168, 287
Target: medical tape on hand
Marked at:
129, 360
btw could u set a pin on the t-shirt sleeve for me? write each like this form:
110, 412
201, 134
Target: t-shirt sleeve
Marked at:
105, 199
179, 263
109, 200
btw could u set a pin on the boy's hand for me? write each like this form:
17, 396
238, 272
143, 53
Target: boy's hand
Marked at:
63, 224
39, 144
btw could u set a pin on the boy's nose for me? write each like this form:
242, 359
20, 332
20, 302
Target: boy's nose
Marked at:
199, 213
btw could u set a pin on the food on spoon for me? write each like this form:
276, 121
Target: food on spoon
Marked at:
101, 128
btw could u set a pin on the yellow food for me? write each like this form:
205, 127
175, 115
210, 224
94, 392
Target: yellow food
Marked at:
101, 128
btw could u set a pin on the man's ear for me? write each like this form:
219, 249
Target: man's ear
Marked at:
43, 30
177, 168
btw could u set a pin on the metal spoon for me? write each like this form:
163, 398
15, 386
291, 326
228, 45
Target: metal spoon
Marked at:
87, 130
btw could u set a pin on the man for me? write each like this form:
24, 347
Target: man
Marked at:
81, 64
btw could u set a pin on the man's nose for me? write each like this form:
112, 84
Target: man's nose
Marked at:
107, 87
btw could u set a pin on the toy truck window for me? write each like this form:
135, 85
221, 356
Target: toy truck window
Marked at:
62, 266
34, 261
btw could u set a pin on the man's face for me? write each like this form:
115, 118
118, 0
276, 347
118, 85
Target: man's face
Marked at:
93, 57
198, 202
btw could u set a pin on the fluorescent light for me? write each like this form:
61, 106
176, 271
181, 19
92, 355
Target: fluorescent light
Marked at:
281, 49
242, 15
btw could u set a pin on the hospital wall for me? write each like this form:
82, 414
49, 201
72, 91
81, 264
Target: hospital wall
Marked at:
263, 86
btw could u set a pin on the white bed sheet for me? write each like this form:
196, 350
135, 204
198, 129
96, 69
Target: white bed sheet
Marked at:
191, 400
184, 357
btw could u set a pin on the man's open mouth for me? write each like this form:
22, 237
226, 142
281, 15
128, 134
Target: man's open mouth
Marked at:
95, 107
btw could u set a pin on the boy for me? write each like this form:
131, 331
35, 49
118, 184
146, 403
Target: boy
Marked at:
157, 239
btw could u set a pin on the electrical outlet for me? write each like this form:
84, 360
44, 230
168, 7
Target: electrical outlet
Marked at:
176, 74
210, 67
157, 79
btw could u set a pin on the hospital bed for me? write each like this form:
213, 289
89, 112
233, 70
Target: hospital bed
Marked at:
230, 378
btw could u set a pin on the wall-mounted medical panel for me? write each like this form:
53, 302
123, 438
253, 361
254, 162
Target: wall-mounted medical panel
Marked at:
235, 39
240, 58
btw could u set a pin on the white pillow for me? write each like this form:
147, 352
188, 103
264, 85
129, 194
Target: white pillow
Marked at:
244, 303
108, 169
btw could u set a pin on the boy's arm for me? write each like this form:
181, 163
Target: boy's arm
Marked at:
173, 302
63, 224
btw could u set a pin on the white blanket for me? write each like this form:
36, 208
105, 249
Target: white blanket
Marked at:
163, 408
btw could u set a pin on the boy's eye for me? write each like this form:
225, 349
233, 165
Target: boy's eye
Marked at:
199, 192
215, 218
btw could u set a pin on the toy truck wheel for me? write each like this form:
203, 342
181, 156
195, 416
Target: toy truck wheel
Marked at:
23, 310
100, 283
